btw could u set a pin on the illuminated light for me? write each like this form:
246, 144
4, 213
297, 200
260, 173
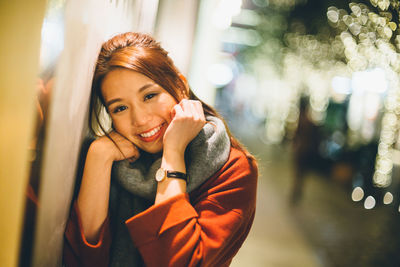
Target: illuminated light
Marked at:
396, 156
224, 12
357, 194
274, 131
261, 3
348, 19
339, 138
355, 112
387, 32
246, 90
247, 17
318, 104
387, 135
390, 120
385, 165
369, 203
367, 131
293, 116
333, 15
372, 16
382, 180
370, 80
397, 40
387, 198
219, 74
363, 19
355, 28
222, 22
344, 36
356, 10
52, 40
317, 117
372, 36
241, 36
392, 25
383, 4
383, 149
372, 103
358, 63
231, 7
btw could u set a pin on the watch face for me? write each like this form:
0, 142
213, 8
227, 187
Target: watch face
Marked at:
160, 175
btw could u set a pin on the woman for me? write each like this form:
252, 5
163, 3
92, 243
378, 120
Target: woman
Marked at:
169, 185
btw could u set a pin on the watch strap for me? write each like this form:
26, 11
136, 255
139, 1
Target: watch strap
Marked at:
179, 175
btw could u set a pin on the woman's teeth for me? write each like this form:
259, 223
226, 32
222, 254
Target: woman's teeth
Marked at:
151, 133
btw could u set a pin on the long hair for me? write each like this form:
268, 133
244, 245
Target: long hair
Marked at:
141, 53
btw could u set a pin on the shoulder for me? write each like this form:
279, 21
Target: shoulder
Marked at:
238, 166
239, 159
234, 186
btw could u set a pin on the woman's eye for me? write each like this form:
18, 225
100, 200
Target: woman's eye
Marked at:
119, 109
149, 96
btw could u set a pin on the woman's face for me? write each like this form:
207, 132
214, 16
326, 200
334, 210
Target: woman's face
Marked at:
140, 109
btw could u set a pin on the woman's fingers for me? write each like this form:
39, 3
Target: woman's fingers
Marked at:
185, 125
126, 149
178, 111
192, 109
199, 108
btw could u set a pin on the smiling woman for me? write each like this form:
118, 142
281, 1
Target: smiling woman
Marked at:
167, 185
139, 108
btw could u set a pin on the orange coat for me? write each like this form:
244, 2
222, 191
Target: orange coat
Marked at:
204, 228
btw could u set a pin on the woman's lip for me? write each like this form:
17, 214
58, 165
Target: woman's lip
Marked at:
152, 129
155, 136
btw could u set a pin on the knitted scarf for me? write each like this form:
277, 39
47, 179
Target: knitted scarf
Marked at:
133, 185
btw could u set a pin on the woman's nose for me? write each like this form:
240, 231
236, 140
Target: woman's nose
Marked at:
139, 117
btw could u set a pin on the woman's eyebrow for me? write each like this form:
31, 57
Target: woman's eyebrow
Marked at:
141, 89
144, 87
113, 101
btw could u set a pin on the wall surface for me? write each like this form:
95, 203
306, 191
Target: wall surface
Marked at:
19, 65
87, 24
176, 23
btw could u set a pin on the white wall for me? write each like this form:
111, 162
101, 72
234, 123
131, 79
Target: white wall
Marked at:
87, 25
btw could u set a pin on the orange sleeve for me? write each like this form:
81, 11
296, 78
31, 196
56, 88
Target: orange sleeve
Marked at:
78, 252
207, 233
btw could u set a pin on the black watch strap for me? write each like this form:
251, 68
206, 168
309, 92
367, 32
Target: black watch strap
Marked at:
179, 175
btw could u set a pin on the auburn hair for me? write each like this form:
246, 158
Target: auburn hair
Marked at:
142, 53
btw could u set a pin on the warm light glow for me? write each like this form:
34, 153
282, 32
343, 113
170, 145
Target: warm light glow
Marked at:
388, 198
241, 36
341, 85
357, 194
370, 80
224, 12
369, 203
219, 74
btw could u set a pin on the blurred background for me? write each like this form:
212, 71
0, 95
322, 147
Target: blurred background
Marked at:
310, 87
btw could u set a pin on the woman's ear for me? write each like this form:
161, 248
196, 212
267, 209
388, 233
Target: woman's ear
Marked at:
185, 82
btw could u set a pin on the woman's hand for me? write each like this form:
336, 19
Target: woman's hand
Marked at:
187, 121
93, 198
125, 150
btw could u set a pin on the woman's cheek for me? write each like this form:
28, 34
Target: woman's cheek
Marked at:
119, 126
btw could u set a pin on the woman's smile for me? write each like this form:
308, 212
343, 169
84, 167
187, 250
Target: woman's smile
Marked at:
153, 134
140, 109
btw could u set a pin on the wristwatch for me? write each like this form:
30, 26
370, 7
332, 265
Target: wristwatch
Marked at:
162, 173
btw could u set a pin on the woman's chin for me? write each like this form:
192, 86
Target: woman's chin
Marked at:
152, 150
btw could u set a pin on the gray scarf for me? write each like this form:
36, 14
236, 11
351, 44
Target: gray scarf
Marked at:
133, 185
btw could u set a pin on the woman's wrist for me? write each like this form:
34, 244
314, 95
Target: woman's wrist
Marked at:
173, 160
174, 150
